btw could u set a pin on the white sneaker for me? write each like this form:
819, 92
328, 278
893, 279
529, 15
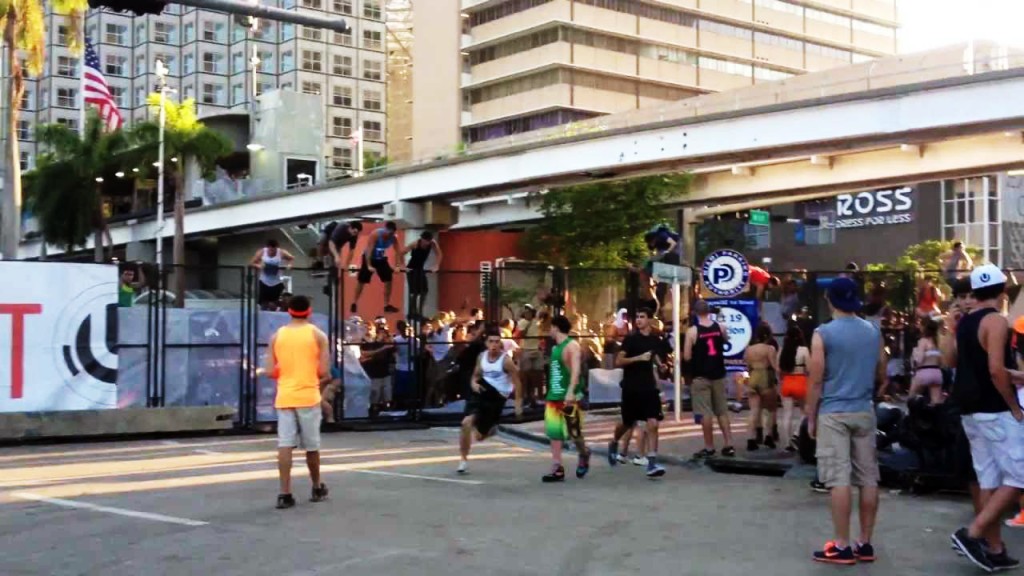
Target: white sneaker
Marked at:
621, 459
463, 467
639, 460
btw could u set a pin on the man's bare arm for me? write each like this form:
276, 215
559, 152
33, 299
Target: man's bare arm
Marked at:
573, 352
882, 374
691, 334
270, 362
324, 369
438, 258
815, 376
513, 373
994, 333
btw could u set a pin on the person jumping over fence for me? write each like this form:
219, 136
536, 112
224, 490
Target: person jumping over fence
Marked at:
268, 261
298, 359
375, 259
417, 269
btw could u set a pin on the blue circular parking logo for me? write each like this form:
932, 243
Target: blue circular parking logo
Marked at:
725, 273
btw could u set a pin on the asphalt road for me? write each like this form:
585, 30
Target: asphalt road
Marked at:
197, 507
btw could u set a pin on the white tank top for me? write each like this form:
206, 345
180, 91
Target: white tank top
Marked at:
271, 273
494, 374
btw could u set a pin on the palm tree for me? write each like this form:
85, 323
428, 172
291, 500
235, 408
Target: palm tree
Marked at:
65, 188
188, 140
24, 33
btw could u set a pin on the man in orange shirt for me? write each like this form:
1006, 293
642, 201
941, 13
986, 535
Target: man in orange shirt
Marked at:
298, 359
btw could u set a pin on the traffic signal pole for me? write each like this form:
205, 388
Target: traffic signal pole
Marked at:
256, 10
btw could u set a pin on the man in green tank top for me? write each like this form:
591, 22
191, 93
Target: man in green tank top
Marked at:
563, 417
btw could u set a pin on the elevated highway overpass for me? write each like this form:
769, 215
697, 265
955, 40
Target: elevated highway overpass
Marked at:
964, 118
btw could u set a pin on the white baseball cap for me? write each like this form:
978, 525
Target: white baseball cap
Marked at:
987, 275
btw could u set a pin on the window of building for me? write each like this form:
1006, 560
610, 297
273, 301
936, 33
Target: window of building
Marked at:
115, 65
343, 6
286, 86
67, 97
726, 66
190, 64
310, 33
189, 91
342, 96
505, 9
762, 73
757, 237
341, 127
780, 41
876, 29
267, 62
213, 94
116, 34
372, 130
726, 30
189, 32
287, 61
118, 93
267, 31
341, 157
140, 65
24, 130
971, 213
237, 62
312, 60
313, 88
287, 4
822, 234
237, 94
213, 31
287, 31
62, 35
163, 33
66, 66
828, 17
316, 4
44, 98
26, 100
780, 6
372, 99
25, 161
372, 40
373, 69
212, 63
829, 52
522, 124
371, 9
140, 96
343, 38
69, 123
342, 65
90, 32
140, 34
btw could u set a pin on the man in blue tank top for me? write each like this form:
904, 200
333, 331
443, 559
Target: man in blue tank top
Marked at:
375, 259
846, 359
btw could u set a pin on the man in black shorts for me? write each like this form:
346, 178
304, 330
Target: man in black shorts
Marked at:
641, 352
419, 251
494, 379
375, 259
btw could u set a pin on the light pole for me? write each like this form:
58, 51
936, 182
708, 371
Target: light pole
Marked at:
161, 74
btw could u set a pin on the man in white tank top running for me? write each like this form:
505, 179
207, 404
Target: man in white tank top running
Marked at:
495, 378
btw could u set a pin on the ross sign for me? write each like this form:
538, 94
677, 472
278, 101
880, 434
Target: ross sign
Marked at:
760, 218
739, 316
58, 336
672, 274
876, 208
725, 273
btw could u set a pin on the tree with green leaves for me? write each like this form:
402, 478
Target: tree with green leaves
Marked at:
601, 225
65, 189
23, 24
190, 141
923, 259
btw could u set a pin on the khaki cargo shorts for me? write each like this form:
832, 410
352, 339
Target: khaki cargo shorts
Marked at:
846, 449
708, 397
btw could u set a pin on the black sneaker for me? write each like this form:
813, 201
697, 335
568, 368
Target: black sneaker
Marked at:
705, 453
832, 554
390, 309
583, 466
285, 501
728, 451
769, 443
1003, 561
557, 474
319, 493
864, 552
973, 549
613, 453
819, 487
752, 445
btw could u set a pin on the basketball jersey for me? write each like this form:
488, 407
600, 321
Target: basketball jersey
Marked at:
708, 360
558, 377
298, 361
494, 374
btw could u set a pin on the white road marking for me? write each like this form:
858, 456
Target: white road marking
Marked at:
170, 442
212, 452
109, 509
418, 477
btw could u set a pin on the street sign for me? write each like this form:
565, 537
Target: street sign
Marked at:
670, 274
760, 218
725, 273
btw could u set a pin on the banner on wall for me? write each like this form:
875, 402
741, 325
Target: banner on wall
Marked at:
739, 316
58, 336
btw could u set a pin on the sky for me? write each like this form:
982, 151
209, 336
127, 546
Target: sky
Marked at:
935, 23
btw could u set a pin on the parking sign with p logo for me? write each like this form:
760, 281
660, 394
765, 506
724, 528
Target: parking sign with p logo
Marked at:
725, 273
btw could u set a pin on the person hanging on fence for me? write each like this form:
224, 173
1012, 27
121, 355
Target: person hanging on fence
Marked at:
129, 286
375, 259
269, 260
298, 358
419, 252
955, 263
337, 236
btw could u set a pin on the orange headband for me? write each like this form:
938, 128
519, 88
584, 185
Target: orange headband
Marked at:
304, 314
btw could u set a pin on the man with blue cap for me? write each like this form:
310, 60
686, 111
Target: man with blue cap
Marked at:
846, 358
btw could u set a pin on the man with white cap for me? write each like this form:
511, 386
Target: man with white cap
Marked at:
992, 418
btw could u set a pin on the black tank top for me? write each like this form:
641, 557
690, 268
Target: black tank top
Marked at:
418, 257
973, 389
708, 361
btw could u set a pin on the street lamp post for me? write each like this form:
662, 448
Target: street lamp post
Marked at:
161, 74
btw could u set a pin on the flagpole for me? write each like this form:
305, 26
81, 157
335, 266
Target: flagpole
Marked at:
81, 84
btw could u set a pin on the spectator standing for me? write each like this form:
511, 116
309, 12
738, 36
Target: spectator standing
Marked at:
846, 356
955, 263
703, 349
793, 360
376, 360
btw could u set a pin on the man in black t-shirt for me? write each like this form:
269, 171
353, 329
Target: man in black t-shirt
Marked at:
641, 352
339, 236
376, 360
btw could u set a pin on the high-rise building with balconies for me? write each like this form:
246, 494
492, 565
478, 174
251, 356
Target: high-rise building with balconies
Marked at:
486, 69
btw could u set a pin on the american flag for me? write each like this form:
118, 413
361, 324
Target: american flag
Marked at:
96, 91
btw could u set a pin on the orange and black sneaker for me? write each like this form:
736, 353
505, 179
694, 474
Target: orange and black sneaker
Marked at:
832, 554
864, 552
